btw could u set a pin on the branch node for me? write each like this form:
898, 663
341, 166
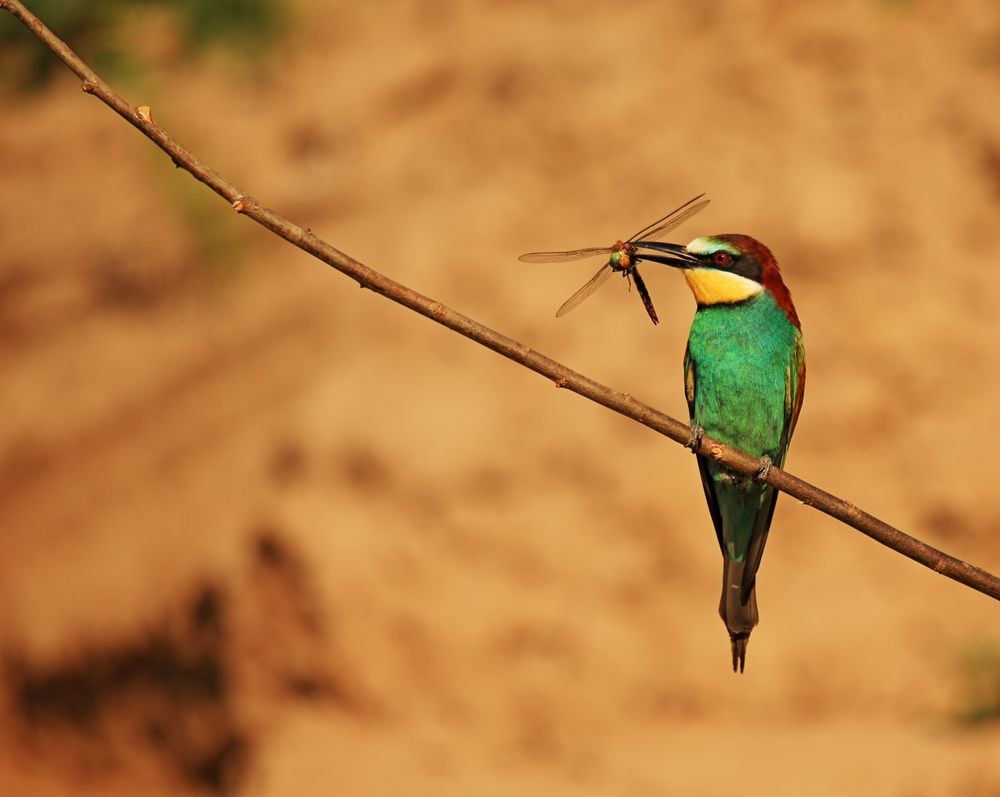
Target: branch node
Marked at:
89, 87
560, 383
716, 452
240, 204
145, 114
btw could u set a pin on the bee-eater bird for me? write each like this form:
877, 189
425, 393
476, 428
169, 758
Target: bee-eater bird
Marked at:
744, 378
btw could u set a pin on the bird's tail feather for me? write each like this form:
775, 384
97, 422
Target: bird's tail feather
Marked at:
738, 607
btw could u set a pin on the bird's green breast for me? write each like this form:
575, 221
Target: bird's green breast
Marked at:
741, 354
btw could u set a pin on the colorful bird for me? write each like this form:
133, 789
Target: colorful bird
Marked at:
744, 377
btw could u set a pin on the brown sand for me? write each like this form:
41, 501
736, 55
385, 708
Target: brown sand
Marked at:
263, 532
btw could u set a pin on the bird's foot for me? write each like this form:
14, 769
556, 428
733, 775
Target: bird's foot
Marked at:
694, 441
765, 468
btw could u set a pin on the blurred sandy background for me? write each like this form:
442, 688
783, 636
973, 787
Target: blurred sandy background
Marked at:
263, 533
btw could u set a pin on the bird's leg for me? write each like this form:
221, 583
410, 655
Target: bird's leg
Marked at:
765, 468
694, 441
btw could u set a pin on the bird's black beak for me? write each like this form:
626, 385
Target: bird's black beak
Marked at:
673, 255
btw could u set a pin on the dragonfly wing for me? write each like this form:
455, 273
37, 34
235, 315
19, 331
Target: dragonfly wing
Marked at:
672, 219
592, 285
564, 257
676, 219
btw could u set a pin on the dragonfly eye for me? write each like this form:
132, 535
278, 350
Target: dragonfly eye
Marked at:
721, 258
620, 260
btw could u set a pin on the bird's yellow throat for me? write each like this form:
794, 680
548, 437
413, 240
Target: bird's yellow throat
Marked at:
711, 286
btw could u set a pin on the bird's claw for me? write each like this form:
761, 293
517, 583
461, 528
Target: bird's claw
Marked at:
694, 441
765, 468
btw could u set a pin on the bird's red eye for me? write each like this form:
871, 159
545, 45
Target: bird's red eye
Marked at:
721, 258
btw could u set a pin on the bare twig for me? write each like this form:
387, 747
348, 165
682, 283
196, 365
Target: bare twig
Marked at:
563, 377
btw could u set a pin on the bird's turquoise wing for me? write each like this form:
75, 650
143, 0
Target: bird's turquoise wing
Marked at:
795, 388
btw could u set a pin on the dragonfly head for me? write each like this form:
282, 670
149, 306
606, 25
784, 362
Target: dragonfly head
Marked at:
622, 256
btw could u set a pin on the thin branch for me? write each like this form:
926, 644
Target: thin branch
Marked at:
622, 403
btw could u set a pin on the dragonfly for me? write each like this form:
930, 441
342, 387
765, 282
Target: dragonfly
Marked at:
623, 257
